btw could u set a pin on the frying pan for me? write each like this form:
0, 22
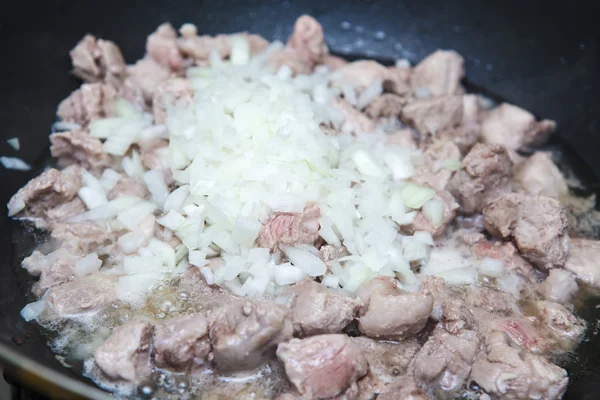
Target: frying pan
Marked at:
539, 55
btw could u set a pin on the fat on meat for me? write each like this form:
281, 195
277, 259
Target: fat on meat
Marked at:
78, 147
440, 74
434, 115
538, 225
182, 342
323, 366
90, 102
583, 261
97, 60
290, 229
87, 294
539, 176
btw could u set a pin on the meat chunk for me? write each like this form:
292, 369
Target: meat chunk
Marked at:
246, 332
329, 253
127, 186
182, 342
389, 313
433, 115
360, 74
583, 261
97, 60
53, 269
289, 229
200, 47
318, 309
173, 92
514, 127
506, 371
403, 388
323, 366
537, 224
510, 257
45, 192
439, 74
444, 361
142, 80
162, 47
125, 355
560, 285
559, 324
539, 176
484, 177
467, 133
78, 147
403, 138
85, 238
63, 211
155, 155
436, 166
307, 40
333, 62
422, 223
83, 295
385, 105
88, 103
292, 60
354, 120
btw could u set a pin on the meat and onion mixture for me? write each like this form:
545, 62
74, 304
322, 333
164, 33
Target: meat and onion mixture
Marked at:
231, 218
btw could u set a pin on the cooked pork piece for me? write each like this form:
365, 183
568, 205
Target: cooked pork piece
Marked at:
402, 137
333, 62
583, 261
507, 371
323, 366
422, 223
385, 105
539, 176
162, 47
90, 102
307, 40
200, 47
513, 127
53, 269
435, 169
143, 78
361, 74
561, 326
290, 229
484, 176
439, 74
329, 253
173, 92
355, 121
85, 237
433, 115
403, 388
560, 285
83, 295
510, 257
467, 133
537, 224
245, 333
127, 186
155, 156
63, 211
182, 342
318, 309
78, 147
125, 355
96, 60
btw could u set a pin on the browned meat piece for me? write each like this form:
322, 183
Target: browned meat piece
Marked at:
318, 309
182, 342
583, 261
433, 115
162, 47
88, 103
290, 229
402, 137
444, 361
143, 78
307, 40
97, 60
433, 169
514, 127
360, 74
537, 224
386, 105
439, 74
45, 192
87, 294
323, 366
244, 333
333, 62
355, 121
422, 223
173, 92
467, 133
559, 324
78, 147
53, 269
539, 176
127, 186
85, 238
389, 313
403, 388
560, 285
506, 371
63, 211
509, 255
125, 355
484, 177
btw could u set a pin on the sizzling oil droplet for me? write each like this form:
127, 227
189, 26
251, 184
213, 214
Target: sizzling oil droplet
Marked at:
380, 35
346, 25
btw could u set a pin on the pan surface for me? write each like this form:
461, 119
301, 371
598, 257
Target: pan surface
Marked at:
539, 55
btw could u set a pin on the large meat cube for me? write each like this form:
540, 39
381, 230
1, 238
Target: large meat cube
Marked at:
354, 120
323, 366
171, 93
514, 127
90, 102
467, 133
182, 342
97, 60
125, 355
445, 360
583, 261
433, 169
560, 285
244, 333
510, 257
385, 105
539, 176
318, 309
432, 115
422, 223
290, 229
484, 176
439, 73
53, 269
559, 324
87, 294
142, 79
537, 224
78, 147
403, 388
85, 237
127, 186
162, 47
506, 371
307, 40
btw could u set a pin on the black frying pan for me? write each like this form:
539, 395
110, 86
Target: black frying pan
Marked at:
539, 55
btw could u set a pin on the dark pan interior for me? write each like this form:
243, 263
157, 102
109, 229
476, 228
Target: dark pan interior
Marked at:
539, 55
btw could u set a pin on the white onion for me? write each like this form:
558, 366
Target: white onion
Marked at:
414, 196
366, 164
240, 50
176, 198
162, 251
109, 179
14, 143
156, 185
349, 94
125, 109
433, 210
139, 264
33, 310
87, 265
287, 274
401, 167
134, 288
14, 163
130, 242
331, 281
133, 216
133, 166
305, 260
16, 206
171, 220
369, 94
459, 276
491, 267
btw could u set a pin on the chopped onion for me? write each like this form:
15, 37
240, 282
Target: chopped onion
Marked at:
33, 310
130, 242
433, 210
459, 276
16, 206
424, 237
240, 50
125, 109
134, 288
133, 216
87, 265
14, 143
366, 164
109, 179
198, 258
349, 94
358, 275
14, 163
176, 198
369, 94
287, 274
245, 231
157, 186
331, 281
414, 196
401, 167
171, 220
491, 267
133, 166
305, 260
163, 251
139, 264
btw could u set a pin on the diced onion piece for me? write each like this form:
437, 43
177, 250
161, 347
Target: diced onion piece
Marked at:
349, 94
245, 231
433, 210
16, 206
424, 237
87, 265
365, 164
131, 241
118, 145
414, 196
125, 109
133, 166
401, 167
449, 164
172, 220
14, 163
414, 250
14, 143
132, 217
33, 310
287, 274
109, 179
459, 276
397, 209
92, 198
159, 190
139, 264
198, 258
134, 288
305, 260
358, 275
176, 198
240, 50
331, 281
491, 267
369, 94
163, 251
